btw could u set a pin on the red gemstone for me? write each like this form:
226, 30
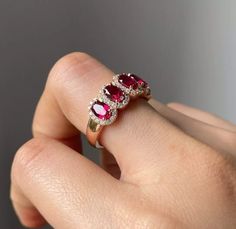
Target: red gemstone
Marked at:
101, 110
128, 81
114, 93
140, 81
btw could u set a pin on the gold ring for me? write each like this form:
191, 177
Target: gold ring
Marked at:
103, 109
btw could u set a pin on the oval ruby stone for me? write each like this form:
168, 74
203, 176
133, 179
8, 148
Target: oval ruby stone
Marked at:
140, 81
101, 110
128, 81
114, 93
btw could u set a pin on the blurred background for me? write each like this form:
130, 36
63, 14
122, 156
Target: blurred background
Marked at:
186, 49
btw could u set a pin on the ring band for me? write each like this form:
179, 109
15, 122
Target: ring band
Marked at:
103, 110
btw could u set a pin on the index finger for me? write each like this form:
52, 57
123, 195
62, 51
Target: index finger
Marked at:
50, 121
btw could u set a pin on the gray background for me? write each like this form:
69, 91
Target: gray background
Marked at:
185, 48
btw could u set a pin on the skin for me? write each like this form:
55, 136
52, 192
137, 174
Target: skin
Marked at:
156, 175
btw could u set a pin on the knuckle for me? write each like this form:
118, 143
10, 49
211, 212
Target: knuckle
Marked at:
62, 69
25, 157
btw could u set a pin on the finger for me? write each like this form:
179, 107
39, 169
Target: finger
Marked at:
55, 125
66, 188
50, 121
139, 137
218, 138
203, 116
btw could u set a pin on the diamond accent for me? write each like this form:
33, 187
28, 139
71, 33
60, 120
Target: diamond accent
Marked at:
103, 115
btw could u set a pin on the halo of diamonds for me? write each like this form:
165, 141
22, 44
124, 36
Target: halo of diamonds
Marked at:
104, 122
143, 88
132, 85
116, 95
129, 90
115, 104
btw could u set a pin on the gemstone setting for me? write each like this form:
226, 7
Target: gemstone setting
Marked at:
143, 88
140, 82
114, 96
114, 93
127, 81
132, 84
101, 112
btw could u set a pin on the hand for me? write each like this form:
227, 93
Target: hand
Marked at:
177, 163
